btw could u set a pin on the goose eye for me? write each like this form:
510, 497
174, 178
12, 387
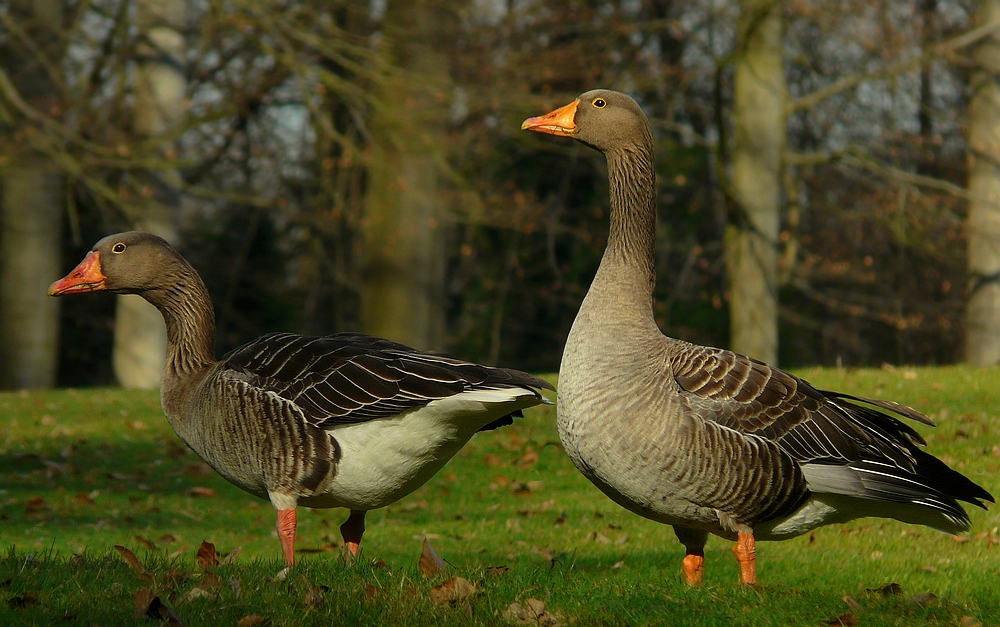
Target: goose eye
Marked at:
118, 248
600, 103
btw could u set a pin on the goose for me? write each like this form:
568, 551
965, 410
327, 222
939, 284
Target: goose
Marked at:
704, 439
346, 420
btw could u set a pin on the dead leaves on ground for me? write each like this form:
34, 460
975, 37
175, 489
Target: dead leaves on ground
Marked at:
532, 612
452, 591
150, 606
431, 564
890, 591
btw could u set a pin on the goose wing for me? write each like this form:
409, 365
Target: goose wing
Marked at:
348, 378
810, 425
821, 430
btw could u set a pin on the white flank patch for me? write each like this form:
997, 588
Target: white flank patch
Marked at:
383, 460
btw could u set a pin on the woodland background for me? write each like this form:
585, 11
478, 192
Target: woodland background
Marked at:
827, 173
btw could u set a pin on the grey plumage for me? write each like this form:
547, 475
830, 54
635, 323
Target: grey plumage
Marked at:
345, 420
702, 438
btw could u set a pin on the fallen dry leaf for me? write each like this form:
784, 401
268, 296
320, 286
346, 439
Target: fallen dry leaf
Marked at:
35, 504
22, 601
207, 555
154, 608
452, 590
888, 590
496, 571
131, 559
431, 565
195, 593
252, 620
314, 596
969, 621
201, 491
851, 603
146, 542
845, 620
923, 599
232, 557
529, 459
282, 574
532, 612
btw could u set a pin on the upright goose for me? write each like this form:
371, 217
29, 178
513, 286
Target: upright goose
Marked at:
703, 439
345, 420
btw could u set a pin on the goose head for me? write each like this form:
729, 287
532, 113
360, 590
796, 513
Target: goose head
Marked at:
125, 263
606, 120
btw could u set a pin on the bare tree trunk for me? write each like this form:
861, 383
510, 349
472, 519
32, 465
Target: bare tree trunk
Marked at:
31, 215
29, 319
403, 293
140, 336
759, 136
982, 317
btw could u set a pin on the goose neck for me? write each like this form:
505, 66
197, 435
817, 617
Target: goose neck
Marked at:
632, 236
190, 320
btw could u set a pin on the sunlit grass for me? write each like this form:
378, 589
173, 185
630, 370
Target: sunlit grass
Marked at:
84, 470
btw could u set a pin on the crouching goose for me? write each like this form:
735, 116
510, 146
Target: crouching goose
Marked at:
703, 439
345, 420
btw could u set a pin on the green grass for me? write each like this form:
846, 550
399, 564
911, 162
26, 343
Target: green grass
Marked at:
84, 470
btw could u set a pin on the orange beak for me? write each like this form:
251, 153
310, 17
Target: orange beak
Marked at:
559, 122
86, 277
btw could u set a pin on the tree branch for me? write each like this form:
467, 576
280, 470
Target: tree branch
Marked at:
941, 49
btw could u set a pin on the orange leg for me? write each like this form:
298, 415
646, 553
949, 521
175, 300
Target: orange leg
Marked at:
352, 530
286, 533
694, 566
746, 554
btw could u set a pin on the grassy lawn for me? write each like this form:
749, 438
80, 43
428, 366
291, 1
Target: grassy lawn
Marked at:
84, 470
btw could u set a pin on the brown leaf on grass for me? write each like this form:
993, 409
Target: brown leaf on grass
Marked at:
195, 593
210, 581
201, 491
431, 565
314, 596
845, 620
207, 555
969, 621
598, 537
131, 559
150, 606
35, 504
851, 603
146, 542
452, 590
496, 571
494, 461
232, 557
532, 612
888, 590
923, 599
529, 459
22, 601
252, 620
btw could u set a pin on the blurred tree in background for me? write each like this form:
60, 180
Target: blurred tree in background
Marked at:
316, 132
